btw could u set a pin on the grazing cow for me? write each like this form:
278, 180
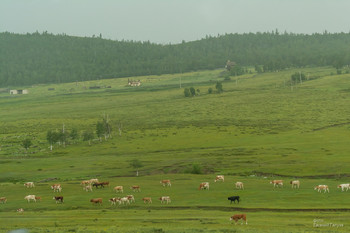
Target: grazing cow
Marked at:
164, 199
124, 200
96, 201
20, 210
98, 184
38, 198
131, 198
233, 199
219, 177
56, 187
114, 200
29, 184
135, 188
58, 199
93, 181
118, 189
344, 186
239, 185
85, 182
106, 183
147, 200
30, 197
278, 183
204, 185
237, 217
295, 183
321, 187
165, 183
88, 188
3, 200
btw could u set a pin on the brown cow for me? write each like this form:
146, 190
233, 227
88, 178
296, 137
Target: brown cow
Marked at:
114, 200
147, 200
131, 198
96, 200
204, 185
135, 188
237, 217
3, 200
165, 183
106, 183
37, 198
118, 189
278, 183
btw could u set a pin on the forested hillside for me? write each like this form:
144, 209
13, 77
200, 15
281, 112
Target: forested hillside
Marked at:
47, 58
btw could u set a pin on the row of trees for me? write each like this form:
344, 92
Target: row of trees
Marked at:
103, 129
191, 92
46, 58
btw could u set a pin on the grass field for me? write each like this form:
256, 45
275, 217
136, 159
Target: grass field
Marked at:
260, 128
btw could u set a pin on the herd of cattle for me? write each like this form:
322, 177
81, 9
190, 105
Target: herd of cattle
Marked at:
128, 199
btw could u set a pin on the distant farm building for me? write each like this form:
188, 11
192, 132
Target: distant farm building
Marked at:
134, 83
18, 92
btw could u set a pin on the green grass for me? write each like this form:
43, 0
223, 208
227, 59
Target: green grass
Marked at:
258, 127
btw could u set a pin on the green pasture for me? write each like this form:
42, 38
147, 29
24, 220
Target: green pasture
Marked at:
283, 209
260, 128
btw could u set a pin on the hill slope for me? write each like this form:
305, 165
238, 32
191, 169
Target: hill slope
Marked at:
46, 58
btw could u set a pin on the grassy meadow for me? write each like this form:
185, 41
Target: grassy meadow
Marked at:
260, 128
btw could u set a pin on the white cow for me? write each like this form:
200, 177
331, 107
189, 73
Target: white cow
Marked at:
344, 186
239, 185
30, 197
131, 198
88, 188
164, 199
219, 177
29, 184
56, 187
204, 185
124, 200
322, 187
295, 183
92, 181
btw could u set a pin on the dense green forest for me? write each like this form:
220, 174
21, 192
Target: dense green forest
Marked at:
27, 59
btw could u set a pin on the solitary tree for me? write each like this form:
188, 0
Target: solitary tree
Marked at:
52, 137
100, 130
26, 143
218, 87
74, 135
88, 136
187, 92
193, 91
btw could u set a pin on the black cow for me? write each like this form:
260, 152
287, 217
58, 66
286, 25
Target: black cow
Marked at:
99, 184
233, 199
58, 199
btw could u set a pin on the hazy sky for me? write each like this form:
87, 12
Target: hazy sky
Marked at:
164, 21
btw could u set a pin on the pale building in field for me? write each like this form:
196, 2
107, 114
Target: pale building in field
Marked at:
19, 92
